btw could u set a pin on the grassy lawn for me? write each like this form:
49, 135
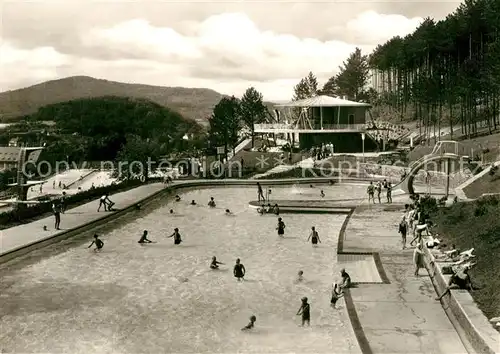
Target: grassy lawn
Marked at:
477, 225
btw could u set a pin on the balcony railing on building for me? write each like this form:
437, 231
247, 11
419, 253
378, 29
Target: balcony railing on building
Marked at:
315, 127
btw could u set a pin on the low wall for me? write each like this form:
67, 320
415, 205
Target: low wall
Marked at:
463, 311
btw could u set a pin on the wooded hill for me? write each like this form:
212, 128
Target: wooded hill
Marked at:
192, 103
452, 65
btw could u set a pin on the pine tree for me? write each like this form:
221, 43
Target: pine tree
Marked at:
353, 76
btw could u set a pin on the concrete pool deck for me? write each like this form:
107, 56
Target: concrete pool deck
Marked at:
403, 315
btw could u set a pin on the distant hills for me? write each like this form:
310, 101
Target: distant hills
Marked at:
193, 103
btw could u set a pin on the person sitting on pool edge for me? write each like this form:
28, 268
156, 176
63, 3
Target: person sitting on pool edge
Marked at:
251, 324
268, 208
262, 210
211, 203
215, 263
460, 278
239, 270
177, 237
346, 280
276, 209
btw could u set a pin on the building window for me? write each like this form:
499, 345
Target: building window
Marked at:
350, 119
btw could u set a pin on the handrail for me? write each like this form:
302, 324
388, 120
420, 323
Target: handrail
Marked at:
282, 126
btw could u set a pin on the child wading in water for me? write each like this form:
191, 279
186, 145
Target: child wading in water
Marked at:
239, 270
336, 295
98, 243
305, 311
177, 237
281, 227
314, 237
251, 324
144, 238
215, 263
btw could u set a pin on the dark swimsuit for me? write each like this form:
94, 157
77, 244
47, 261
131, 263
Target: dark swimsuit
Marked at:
306, 314
238, 271
281, 228
99, 244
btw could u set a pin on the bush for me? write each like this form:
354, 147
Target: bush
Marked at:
428, 205
23, 214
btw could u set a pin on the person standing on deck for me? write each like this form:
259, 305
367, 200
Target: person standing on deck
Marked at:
56, 209
260, 193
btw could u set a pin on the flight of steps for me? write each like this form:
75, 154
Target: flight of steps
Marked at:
361, 268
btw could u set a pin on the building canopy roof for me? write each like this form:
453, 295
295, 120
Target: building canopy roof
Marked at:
11, 154
324, 101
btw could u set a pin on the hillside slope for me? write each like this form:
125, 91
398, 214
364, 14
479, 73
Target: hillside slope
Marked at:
193, 103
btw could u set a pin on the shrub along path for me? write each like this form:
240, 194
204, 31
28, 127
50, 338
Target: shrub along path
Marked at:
21, 235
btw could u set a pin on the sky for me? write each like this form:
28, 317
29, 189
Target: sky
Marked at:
227, 46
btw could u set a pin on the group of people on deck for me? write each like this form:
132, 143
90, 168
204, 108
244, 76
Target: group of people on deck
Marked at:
417, 222
376, 190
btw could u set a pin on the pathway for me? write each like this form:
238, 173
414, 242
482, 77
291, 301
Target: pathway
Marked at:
307, 163
403, 316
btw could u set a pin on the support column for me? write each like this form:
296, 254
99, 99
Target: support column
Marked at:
321, 117
448, 168
338, 116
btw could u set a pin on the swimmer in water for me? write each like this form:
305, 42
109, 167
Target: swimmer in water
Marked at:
276, 209
311, 186
177, 237
322, 194
98, 243
211, 203
336, 295
144, 238
281, 228
177, 198
228, 212
305, 311
251, 324
215, 263
239, 270
171, 211
193, 202
314, 237
300, 276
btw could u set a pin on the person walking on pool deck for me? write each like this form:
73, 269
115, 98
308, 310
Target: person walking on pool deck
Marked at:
144, 238
260, 193
105, 202
56, 209
403, 227
314, 237
63, 202
239, 270
418, 258
371, 192
378, 189
389, 192
305, 311
98, 243
215, 263
177, 237
281, 228
211, 203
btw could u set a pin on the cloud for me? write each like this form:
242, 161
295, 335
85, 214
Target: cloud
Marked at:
227, 52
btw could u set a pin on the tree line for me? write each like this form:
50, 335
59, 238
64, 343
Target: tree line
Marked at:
445, 72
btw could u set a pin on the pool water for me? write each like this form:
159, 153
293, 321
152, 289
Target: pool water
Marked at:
164, 298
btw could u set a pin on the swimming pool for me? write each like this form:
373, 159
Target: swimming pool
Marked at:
164, 298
